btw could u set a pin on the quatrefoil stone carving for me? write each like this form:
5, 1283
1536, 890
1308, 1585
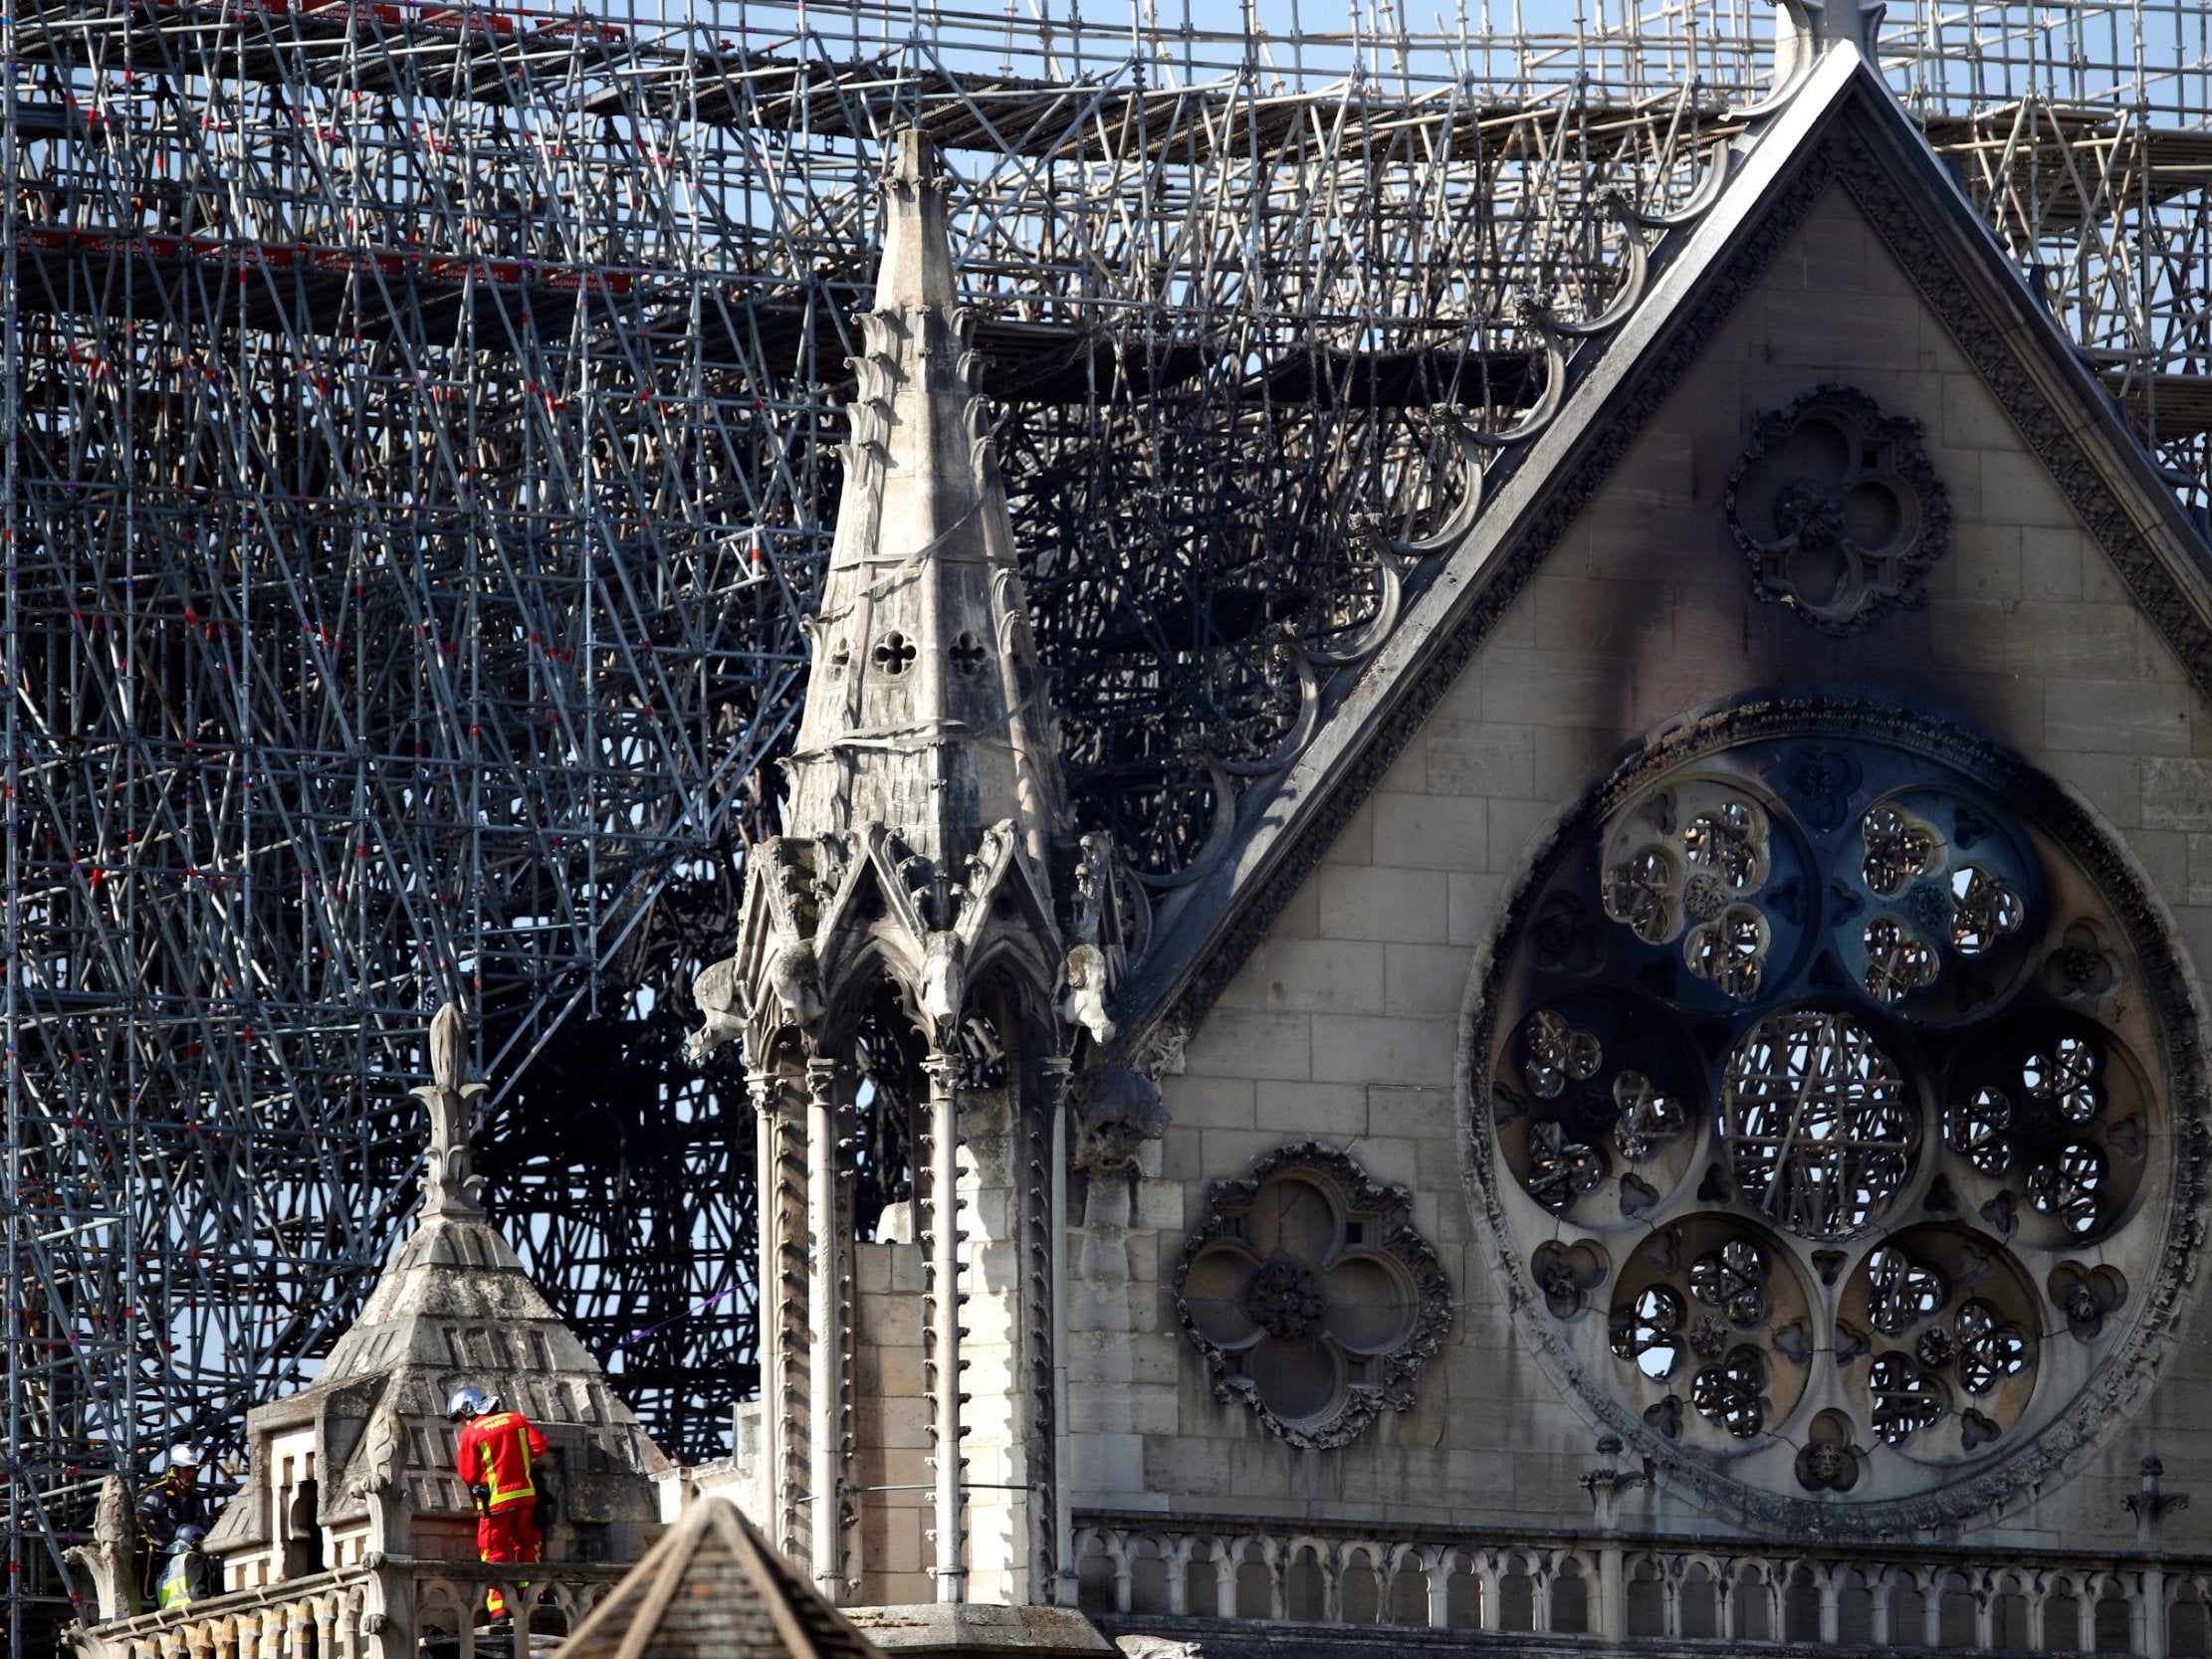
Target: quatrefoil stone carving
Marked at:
1313, 1299
1838, 509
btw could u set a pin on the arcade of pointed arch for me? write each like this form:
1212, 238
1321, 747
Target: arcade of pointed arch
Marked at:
1822, 1090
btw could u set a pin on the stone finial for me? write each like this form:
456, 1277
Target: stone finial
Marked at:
449, 1048
917, 266
1807, 29
2150, 1504
1608, 1484
107, 1558
449, 1184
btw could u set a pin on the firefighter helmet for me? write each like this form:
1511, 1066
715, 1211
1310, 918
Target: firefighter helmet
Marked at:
188, 1539
470, 1403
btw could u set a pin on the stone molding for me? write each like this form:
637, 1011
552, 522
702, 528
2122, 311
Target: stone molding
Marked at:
2000, 350
1996, 352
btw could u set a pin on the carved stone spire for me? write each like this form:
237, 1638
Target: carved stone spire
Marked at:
449, 1185
925, 711
926, 806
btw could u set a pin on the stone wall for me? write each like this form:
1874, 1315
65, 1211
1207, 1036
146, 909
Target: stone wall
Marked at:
893, 1465
891, 1410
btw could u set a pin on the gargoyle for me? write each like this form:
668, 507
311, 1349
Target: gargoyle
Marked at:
1084, 1002
1116, 1111
794, 979
721, 998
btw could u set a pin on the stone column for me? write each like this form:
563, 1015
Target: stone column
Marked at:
2150, 1505
945, 1330
1062, 1591
827, 1359
777, 1172
1609, 1486
388, 1610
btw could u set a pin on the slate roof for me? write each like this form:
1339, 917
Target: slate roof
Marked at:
714, 1588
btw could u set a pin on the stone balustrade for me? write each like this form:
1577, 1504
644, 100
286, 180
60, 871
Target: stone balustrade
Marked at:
317, 1617
1160, 1571
383, 1610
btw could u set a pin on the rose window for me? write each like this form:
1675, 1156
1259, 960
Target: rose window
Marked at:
1312, 1298
1823, 1077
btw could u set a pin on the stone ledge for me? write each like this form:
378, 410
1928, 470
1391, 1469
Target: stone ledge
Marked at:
971, 1630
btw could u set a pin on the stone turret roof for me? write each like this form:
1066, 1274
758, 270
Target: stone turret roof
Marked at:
453, 1307
713, 1588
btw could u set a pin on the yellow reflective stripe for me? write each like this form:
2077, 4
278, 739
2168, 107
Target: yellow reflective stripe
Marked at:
499, 1495
525, 1489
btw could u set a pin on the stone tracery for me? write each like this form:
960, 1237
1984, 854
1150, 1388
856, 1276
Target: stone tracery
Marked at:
1856, 1162
1316, 1303
1838, 509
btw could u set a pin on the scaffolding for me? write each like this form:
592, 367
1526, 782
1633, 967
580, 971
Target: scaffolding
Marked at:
420, 443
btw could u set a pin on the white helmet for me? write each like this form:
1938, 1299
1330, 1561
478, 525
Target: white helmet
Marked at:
471, 1402
183, 1456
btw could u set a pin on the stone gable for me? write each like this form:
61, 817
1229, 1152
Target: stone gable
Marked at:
1344, 1023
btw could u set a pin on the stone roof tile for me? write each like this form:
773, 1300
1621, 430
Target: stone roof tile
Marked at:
713, 1588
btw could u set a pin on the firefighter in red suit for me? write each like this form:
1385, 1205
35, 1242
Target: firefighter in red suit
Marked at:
498, 1452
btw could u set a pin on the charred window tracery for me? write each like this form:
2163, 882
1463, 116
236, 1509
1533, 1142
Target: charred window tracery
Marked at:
889, 1052
1811, 1054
